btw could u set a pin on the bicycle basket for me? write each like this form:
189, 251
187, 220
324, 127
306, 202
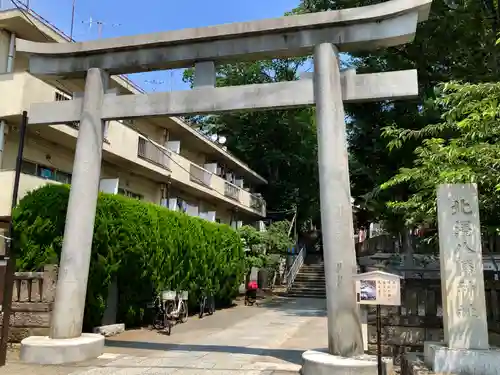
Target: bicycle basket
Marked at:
168, 295
184, 295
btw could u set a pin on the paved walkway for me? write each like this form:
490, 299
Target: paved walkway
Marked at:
263, 340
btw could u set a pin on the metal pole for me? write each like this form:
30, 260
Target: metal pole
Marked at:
379, 341
9, 257
72, 19
12, 53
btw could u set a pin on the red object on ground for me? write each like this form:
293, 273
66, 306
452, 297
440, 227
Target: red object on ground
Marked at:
252, 285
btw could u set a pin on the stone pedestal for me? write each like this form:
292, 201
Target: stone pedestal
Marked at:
322, 363
443, 359
43, 350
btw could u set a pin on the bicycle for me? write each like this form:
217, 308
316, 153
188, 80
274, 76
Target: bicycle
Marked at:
176, 308
160, 321
207, 302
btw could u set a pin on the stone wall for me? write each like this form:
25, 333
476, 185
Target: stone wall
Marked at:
32, 302
413, 364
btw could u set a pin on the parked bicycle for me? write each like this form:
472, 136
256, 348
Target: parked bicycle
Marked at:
160, 321
207, 304
176, 306
170, 308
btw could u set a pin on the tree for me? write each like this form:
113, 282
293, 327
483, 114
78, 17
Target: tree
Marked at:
456, 43
279, 145
462, 148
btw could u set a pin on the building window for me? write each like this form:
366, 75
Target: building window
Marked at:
47, 173
130, 194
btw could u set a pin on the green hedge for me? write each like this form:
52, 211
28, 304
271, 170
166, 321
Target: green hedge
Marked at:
145, 247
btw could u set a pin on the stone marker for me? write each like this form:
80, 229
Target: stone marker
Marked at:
465, 349
462, 280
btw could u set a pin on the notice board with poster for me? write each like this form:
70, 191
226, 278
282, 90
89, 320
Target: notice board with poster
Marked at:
378, 288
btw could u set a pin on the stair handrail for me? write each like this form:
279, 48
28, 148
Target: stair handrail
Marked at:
295, 268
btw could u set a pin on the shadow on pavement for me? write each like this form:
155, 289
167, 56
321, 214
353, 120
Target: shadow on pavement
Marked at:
298, 306
289, 355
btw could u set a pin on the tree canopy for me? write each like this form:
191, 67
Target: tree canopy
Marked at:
462, 148
457, 43
280, 145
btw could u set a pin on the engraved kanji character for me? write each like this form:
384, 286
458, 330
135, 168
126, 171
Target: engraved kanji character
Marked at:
461, 206
462, 228
465, 246
467, 267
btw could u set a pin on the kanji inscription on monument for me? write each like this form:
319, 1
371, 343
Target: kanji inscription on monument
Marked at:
462, 280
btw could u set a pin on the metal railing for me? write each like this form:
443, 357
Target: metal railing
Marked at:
295, 268
148, 151
257, 203
200, 175
231, 191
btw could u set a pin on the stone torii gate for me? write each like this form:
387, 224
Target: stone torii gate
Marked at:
323, 35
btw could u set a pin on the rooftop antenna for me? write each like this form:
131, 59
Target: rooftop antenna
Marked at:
72, 20
99, 24
154, 82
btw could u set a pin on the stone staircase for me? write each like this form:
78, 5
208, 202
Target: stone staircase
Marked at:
309, 282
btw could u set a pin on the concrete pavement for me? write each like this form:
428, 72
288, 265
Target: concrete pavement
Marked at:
262, 340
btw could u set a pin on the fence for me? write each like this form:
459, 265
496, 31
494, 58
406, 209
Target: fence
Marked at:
392, 244
419, 318
32, 299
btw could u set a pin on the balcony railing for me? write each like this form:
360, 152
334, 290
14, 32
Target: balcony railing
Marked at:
231, 191
200, 175
257, 203
154, 154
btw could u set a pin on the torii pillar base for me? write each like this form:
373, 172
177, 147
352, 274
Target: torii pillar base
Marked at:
322, 363
42, 350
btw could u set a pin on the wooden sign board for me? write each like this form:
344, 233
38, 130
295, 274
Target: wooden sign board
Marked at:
378, 288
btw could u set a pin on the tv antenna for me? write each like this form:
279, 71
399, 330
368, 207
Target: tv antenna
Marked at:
100, 25
154, 82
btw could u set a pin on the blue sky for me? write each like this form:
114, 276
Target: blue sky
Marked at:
127, 17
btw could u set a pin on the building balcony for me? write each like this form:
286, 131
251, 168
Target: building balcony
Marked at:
27, 183
232, 191
153, 154
258, 204
200, 175
123, 146
20, 90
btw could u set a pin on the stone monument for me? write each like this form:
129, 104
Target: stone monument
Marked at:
323, 35
465, 348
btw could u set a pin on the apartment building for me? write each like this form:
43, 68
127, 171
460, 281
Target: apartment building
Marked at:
161, 160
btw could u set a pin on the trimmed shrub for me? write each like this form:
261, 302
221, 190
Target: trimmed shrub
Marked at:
144, 247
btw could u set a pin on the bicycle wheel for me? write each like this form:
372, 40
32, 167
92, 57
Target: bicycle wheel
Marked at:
211, 306
202, 308
183, 313
158, 322
169, 311
167, 326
